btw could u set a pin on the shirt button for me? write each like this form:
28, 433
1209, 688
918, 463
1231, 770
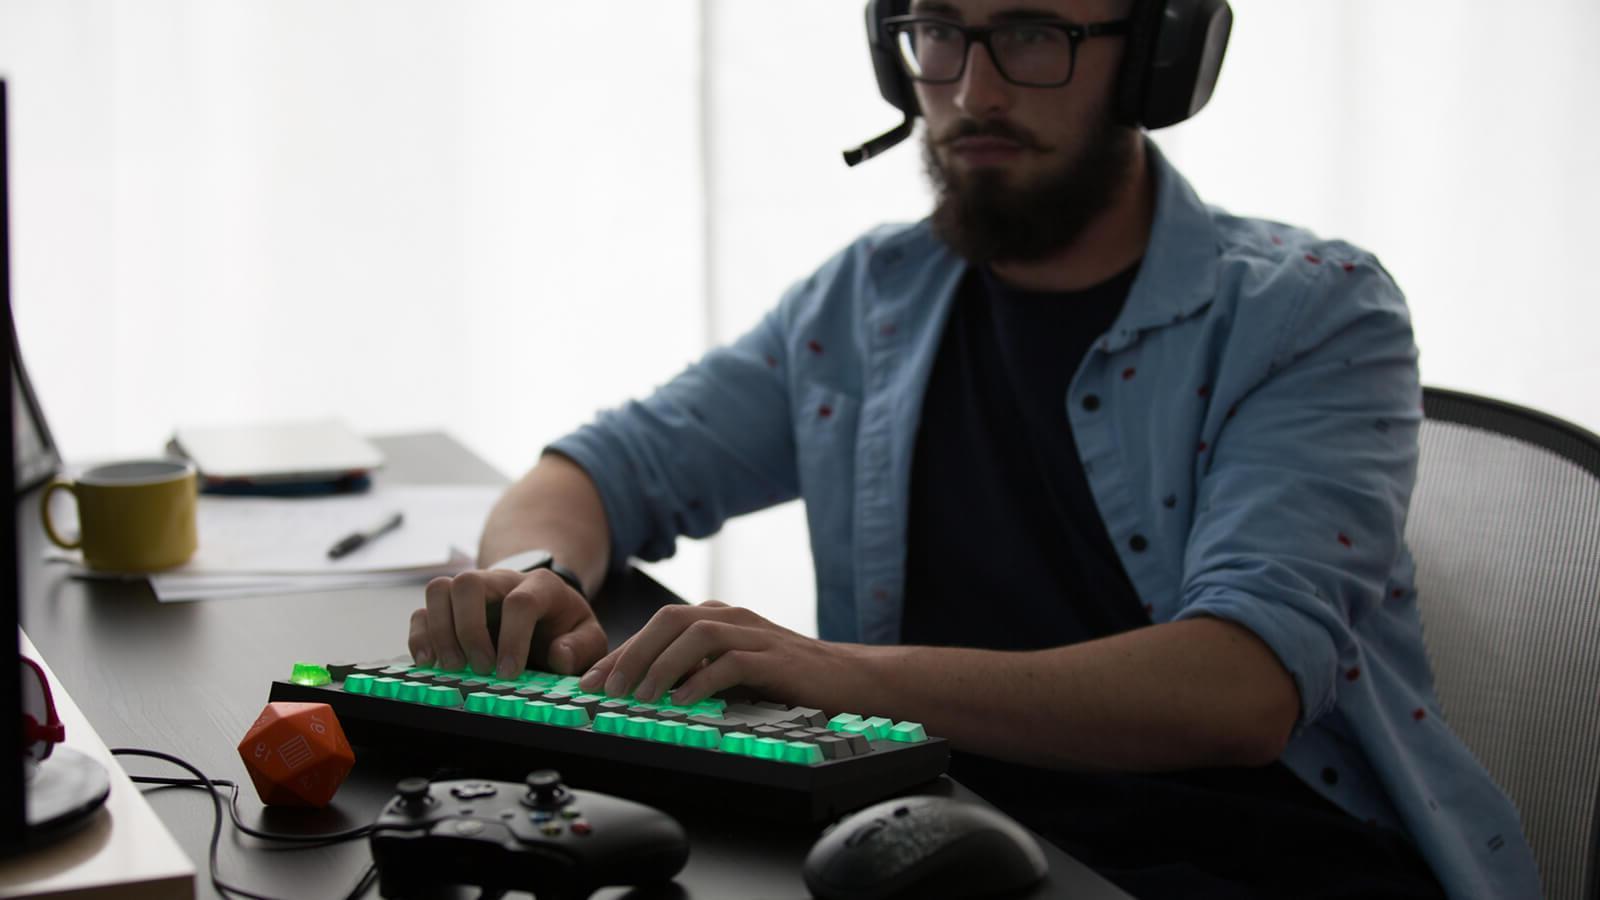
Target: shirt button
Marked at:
1091, 402
1138, 543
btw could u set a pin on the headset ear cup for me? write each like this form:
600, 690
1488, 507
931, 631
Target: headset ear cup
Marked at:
892, 81
1185, 60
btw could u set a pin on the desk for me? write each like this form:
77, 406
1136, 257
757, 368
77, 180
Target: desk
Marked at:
190, 678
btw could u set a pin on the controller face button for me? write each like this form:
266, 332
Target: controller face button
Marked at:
540, 817
582, 828
550, 829
571, 813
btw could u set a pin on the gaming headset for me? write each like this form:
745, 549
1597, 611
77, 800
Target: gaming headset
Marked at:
1174, 53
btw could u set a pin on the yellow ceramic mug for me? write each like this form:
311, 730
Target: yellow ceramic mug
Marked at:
133, 516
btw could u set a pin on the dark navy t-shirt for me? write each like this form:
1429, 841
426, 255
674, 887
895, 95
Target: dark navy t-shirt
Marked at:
1007, 551
1001, 517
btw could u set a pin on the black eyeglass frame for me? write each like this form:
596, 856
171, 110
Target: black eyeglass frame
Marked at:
1076, 34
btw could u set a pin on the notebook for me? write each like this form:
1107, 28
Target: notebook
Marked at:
319, 452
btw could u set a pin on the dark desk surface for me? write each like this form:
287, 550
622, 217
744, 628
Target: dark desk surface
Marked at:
190, 678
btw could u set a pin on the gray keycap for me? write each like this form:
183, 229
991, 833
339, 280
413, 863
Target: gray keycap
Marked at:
833, 747
812, 717
858, 743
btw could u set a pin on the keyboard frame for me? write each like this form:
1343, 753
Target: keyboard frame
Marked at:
683, 779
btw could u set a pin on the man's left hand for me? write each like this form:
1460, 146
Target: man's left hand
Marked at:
718, 646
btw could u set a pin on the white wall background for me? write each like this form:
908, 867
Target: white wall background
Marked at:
495, 217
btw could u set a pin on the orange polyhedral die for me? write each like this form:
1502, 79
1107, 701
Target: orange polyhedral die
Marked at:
296, 754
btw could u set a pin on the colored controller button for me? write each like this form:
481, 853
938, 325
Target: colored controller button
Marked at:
582, 828
358, 683
310, 675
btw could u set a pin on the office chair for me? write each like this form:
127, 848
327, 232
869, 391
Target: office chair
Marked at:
1505, 528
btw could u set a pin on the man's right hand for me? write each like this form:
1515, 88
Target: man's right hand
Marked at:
542, 622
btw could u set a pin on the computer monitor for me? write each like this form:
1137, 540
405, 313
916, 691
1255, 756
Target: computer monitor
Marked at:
13, 795
40, 799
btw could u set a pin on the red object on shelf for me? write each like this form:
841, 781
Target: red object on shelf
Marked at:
296, 754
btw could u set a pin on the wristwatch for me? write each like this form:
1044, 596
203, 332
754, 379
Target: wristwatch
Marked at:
529, 560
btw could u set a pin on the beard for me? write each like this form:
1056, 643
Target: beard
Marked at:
986, 220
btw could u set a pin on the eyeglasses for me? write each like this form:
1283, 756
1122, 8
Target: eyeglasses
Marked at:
1032, 53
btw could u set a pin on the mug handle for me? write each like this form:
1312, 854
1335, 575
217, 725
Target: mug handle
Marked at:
57, 484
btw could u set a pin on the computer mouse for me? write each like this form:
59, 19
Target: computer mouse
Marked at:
924, 847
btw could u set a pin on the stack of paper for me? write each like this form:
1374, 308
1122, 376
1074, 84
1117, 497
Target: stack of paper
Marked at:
252, 546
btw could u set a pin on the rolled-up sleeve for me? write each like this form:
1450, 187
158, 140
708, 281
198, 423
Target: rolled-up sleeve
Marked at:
1300, 516
712, 443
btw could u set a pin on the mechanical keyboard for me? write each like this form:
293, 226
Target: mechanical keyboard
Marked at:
766, 759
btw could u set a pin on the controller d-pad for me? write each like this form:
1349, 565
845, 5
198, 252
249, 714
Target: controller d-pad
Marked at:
472, 790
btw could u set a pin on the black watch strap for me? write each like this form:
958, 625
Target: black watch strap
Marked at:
531, 560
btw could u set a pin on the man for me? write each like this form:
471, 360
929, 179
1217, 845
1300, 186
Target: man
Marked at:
1104, 486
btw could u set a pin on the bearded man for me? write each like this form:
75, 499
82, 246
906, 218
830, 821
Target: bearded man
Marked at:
1105, 486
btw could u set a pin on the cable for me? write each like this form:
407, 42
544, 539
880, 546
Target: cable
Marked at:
305, 842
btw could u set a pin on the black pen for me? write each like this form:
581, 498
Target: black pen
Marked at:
359, 539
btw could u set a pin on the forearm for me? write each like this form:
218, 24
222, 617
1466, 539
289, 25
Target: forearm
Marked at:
555, 507
1190, 694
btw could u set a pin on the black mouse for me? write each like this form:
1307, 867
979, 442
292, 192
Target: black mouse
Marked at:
924, 847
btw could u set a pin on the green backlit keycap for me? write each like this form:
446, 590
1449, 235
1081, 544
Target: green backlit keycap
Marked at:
768, 748
507, 706
706, 709
310, 675
441, 695
878, 728
537, 710
907, 733
358, 683
609, 722
569, 716
410, 691
802, 753
638, 727
480, 701
703, 736
837, 723
738, 743
387, 686
668, 733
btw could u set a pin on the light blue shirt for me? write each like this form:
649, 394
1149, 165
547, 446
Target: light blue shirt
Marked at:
1248, 427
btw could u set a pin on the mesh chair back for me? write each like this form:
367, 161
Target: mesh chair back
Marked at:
1505, 528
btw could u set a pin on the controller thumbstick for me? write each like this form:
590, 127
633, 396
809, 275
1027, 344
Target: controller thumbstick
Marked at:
413, 793
545, 789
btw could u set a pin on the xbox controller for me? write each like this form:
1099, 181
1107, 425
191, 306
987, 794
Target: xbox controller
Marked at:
539, 836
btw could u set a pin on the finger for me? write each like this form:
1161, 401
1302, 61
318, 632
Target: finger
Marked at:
470, 592
578, 648
714, 603
565, 613
594, 680
642, 649
441, 625
726, 671
417, 640
520, 613
703, 639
